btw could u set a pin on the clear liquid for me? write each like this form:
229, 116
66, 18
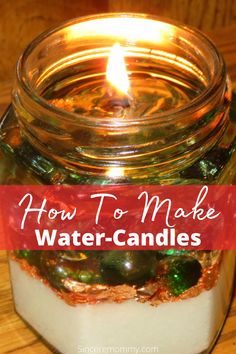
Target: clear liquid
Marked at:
155, 86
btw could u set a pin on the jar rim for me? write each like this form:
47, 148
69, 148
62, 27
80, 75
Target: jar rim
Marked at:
173, 113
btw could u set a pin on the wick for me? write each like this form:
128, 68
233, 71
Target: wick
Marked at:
118, 100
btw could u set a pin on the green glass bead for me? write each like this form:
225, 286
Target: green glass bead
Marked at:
7, 149
136, 267
56, 274
173, 252
74, 178
85, 276
32, 257
54, 270
22, 253
184, 272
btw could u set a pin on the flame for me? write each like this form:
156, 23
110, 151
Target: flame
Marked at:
116, 73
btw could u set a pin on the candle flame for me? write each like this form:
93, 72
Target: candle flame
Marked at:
116, 73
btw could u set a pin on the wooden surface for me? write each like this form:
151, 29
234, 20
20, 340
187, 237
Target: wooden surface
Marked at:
15, 336
203, 14
22, 20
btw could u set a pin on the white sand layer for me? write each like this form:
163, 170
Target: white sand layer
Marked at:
183, 327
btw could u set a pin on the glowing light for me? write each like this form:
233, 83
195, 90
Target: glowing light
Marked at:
115, 172
116, 73
121, 27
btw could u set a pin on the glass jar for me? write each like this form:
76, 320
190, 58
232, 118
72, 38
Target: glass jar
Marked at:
63, 128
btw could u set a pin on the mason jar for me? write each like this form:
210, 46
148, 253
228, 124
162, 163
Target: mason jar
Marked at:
66, 127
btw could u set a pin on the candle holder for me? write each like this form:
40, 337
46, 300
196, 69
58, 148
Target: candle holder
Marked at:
68, 125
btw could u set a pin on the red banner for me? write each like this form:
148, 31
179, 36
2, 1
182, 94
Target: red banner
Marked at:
121, 217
